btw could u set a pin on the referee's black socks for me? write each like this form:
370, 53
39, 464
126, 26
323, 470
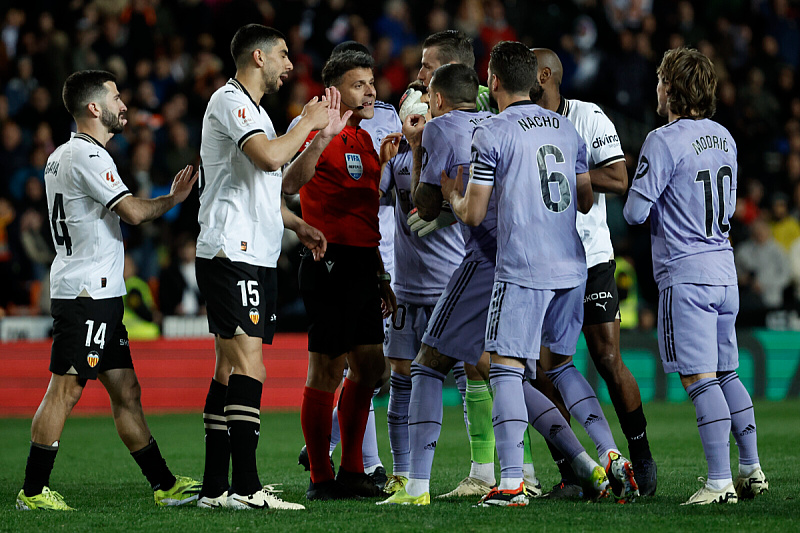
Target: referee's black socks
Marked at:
218, 450
242, 414
38, 468
154, 467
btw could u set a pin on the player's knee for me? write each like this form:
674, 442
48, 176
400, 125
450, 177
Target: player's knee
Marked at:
607, 361
432, 358
131, 396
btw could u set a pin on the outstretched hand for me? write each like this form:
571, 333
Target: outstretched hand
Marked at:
450, 185
412, 129
336, 121
389, 146
183, 183
316, 111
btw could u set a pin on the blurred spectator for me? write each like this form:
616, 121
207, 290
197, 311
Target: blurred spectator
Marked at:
785, 228
20, 87
763, 270
140, 316
794, 266
178, 291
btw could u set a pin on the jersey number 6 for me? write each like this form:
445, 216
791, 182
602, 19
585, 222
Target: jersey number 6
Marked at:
565, 197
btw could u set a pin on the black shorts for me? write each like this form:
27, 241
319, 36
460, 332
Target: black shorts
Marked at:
238, 295
342, 298
88, 337
601, 303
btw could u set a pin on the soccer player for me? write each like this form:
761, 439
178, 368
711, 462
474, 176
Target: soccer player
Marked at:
384, 121
541, 268
601, 303
460, 315
86, 199
348, 295
442, 48
241, 224
423, 264
686, 183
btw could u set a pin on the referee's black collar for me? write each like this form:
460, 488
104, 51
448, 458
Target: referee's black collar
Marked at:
236, 83
89, 139
521, 102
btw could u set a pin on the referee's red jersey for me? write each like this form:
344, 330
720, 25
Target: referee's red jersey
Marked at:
341, 200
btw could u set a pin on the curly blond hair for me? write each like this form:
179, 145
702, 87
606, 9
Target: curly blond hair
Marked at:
691, 83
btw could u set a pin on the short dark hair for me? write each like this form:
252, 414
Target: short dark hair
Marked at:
691, 83
514, 65
354, 46
452, 46
341, 63
83, 87
252, 37
458, 83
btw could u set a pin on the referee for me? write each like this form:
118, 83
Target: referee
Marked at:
338, 176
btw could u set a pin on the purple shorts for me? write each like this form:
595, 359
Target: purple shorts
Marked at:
696, 328
404, 334
458, 321
522, 319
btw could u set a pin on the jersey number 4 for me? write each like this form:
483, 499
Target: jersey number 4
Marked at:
59, 219
704, 177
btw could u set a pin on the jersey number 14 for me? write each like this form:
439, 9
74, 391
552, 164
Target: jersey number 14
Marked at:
59, 220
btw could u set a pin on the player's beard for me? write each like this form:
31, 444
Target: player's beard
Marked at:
536, 93
271, 78
111, 121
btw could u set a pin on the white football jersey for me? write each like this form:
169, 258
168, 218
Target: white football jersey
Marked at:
603, 146
83, 185
240, 204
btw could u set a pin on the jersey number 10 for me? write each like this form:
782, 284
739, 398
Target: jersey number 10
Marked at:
704, 177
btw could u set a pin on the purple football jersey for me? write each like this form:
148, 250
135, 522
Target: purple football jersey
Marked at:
423, 265
688, 170
446, 143
531, 156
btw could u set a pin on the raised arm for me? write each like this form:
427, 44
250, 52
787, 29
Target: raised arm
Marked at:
426, 197
472, 207
301, 170
135, 211
270, 155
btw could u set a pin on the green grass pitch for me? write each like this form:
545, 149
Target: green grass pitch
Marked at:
95, 474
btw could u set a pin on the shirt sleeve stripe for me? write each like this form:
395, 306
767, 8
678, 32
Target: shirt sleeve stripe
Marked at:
611, 160
479, 178
247, 136
114, 201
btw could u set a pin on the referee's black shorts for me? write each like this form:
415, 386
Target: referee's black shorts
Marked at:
342, 298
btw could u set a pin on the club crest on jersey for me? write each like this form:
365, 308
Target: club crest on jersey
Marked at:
242, 116
354, 166
93, 358
254, 316
114, 182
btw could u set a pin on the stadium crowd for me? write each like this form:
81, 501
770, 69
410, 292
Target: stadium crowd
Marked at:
170, 56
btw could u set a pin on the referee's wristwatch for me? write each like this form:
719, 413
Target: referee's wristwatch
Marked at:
385, 277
